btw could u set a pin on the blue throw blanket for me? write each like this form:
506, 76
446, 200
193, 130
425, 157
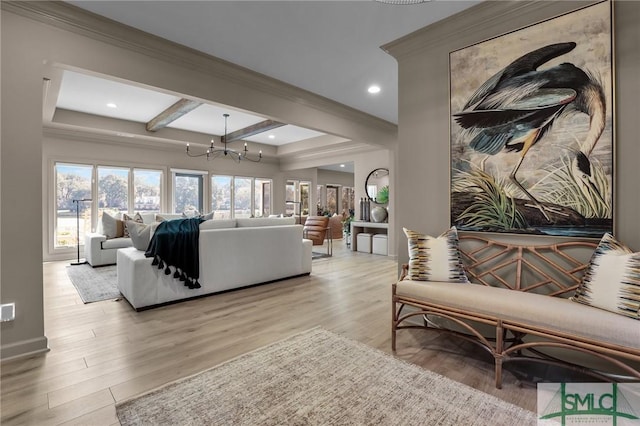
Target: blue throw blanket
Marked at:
175, 243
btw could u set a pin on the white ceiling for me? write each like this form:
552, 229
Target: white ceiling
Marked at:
92, 95
331, 48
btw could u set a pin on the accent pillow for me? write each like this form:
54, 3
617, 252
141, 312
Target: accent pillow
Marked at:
190, 213
112, 227
126, 218
140, 234
435, 259
207, 216
612, 279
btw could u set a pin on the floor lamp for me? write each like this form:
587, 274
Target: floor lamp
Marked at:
77, 203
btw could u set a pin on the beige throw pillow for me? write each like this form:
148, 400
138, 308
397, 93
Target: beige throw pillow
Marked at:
112, 227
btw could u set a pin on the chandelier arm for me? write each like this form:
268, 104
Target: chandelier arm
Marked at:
214, 152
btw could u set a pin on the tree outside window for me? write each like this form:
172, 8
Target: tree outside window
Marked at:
73, 182
147, 188
242, 197
221, 197
187, 190
113, 190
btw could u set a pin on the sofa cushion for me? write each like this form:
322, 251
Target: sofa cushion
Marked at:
435, 259
139, 233
116, 243
546, 312
612, 279
264, 221
218, 224
147, 218
111, 226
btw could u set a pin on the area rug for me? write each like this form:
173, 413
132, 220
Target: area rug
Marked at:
94, 284
319, 378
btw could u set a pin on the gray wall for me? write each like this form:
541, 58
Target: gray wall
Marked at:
330, 177
422, 177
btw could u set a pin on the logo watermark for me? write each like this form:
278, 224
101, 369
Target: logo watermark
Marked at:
592, 404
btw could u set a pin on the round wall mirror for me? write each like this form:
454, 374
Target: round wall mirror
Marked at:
377, 186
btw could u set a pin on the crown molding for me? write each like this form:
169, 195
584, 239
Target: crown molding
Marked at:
74, 19
476, 20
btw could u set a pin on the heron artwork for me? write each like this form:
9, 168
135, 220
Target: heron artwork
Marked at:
517, 107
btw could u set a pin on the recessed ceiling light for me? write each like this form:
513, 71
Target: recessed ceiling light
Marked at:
272, 136
112, 105
373, 89
341, 165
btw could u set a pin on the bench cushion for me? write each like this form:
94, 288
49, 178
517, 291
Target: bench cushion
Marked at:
544, 312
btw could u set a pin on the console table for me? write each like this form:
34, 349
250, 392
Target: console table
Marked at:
358, 226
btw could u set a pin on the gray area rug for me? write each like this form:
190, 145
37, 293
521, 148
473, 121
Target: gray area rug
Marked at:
94, 284
319, 378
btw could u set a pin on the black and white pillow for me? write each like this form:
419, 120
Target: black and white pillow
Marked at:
612, 279
435, 258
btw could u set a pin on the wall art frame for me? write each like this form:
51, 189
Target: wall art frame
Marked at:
532, 128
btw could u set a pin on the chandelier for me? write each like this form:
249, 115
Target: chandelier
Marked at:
215, 152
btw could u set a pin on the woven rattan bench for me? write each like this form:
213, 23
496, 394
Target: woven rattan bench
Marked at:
521, 294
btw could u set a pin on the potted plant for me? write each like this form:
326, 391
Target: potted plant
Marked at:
383, 195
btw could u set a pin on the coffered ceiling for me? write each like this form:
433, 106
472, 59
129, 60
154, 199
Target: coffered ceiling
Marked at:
330, 48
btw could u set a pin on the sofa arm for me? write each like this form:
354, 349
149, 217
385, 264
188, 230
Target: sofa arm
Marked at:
92, 247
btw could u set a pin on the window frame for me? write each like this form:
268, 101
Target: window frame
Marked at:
203, 197
232, 191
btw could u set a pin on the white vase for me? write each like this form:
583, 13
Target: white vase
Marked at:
378, 214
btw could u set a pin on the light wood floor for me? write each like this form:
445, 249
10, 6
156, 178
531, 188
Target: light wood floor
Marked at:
105, 352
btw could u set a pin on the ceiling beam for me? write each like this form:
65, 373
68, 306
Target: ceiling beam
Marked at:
263, 126
171, 114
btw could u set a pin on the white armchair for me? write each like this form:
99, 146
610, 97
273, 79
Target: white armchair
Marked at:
99, 251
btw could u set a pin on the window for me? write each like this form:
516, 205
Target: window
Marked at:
332, 199
73, 182
147, 187
233, 196
242, 197
187, 191
319, 203
298, 192
262, 197
113, 190
348, 199
304, 198
290, 195
221, 197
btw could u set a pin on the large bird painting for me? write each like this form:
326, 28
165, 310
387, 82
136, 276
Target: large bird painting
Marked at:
533, 142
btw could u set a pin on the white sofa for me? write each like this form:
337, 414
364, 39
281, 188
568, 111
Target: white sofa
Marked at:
255, 251
100, 251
